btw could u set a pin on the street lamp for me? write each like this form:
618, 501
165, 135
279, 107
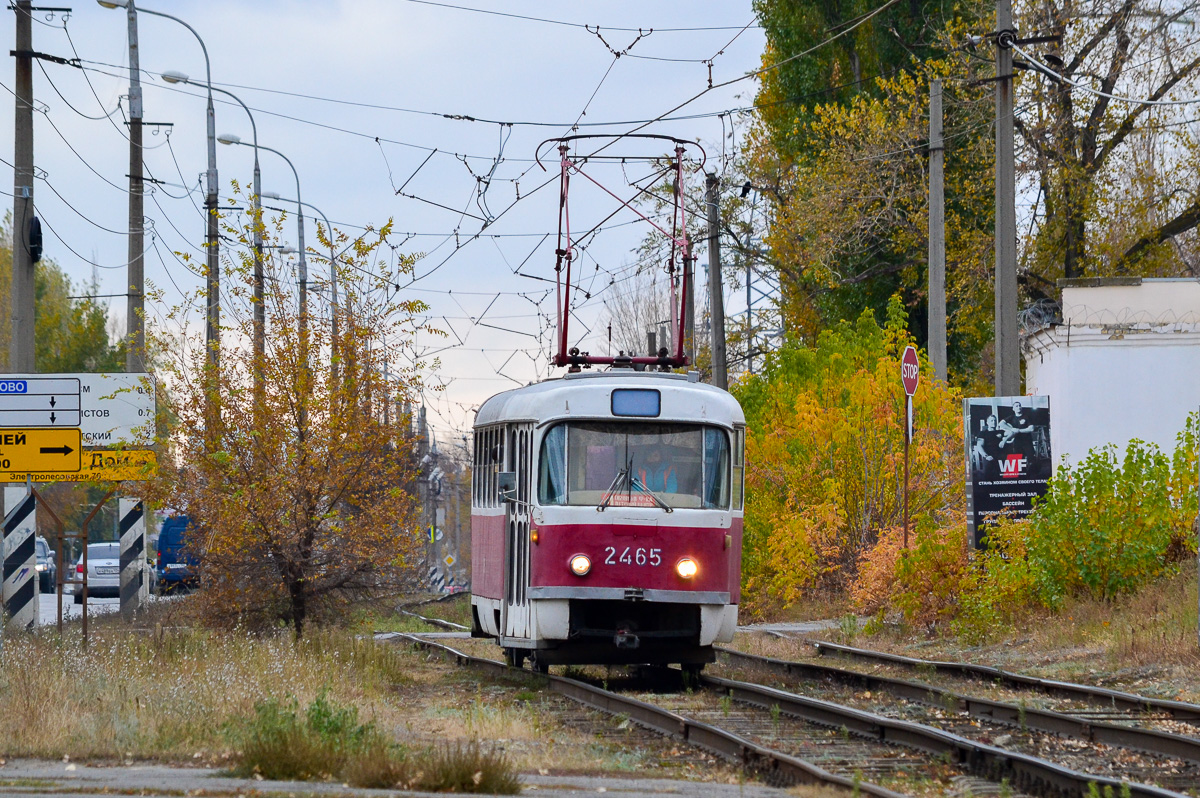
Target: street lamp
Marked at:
211, 239
229, 138
333, 286
260, 318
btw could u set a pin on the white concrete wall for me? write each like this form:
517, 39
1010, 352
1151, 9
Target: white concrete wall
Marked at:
1153, 301
1111, 385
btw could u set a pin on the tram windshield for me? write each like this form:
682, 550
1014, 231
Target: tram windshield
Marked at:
681, 465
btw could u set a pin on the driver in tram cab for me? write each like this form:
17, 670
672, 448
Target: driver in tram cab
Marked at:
657, 474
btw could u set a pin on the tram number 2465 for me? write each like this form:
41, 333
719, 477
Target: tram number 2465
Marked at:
632, 556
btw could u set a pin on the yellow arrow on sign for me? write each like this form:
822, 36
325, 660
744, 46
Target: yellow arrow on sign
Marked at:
99, 465
47, 450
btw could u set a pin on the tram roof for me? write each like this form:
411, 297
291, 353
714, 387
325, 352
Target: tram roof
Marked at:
588, 395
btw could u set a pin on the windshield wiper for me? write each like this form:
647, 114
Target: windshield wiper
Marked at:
637, 483
613, 489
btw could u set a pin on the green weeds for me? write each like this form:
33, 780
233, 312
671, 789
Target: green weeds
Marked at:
326, 740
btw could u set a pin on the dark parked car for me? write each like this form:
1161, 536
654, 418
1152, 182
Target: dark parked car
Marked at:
46, 567
176, 560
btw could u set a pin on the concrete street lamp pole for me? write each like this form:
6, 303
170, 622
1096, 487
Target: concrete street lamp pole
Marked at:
333, 283
303, 274
259, 309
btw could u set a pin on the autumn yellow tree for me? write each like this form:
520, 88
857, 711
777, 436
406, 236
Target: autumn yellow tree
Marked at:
824, 455
848, 226
295, 465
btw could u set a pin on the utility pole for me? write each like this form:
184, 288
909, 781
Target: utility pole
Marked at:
135, 353
424, 468
937, 234
387, 393
20, 348
1008, 364
212, 245
689, 309
716, 293
749, 323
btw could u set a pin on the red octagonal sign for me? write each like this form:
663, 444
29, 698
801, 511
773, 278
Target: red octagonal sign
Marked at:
910, 370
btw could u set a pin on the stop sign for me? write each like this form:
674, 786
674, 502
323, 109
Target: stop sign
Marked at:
910, 370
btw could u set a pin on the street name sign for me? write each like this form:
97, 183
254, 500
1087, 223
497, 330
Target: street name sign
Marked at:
53, 451
97, 465
111, 409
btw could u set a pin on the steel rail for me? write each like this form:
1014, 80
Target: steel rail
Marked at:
1024, 771
765, 762
1179, 710
1062, 724
438, 622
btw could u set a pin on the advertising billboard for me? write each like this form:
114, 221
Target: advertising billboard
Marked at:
1007, 456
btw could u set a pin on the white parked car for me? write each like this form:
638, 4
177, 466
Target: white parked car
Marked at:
103, 571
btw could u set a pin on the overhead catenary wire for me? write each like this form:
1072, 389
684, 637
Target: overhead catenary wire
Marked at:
565, 23
467, 236
1088, 89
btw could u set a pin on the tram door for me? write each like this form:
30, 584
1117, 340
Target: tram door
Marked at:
516, 544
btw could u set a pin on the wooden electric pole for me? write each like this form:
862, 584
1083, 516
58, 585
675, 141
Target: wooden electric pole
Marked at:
937, 235
20, 348
1008, 364
716, 295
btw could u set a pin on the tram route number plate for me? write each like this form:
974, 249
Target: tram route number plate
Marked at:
629, 555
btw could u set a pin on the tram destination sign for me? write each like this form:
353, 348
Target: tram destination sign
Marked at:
110, 409
51, 451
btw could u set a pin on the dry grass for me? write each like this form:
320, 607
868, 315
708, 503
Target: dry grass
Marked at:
1146, 642
178, 696
141, 696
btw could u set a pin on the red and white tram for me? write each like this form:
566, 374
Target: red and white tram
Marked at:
606, 519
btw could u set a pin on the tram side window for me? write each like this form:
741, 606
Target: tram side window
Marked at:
739, 465
716, 474
475, 471
489, 457
552, 467
489, 499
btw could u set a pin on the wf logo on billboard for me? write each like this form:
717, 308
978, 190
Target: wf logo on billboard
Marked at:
1012, 466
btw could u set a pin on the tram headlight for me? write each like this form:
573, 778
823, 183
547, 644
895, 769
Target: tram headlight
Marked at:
580, 564
686, 568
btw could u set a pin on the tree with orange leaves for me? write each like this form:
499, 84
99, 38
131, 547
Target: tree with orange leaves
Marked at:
295, 465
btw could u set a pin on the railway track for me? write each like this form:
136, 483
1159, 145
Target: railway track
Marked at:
1100, 703
1122, 752
1098, 706
786, 738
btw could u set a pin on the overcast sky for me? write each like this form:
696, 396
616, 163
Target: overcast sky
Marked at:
429, 58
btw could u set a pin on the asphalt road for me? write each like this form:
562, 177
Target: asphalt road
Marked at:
42, 778
48, 609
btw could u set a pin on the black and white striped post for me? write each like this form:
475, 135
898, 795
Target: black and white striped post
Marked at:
20, 558
133, 555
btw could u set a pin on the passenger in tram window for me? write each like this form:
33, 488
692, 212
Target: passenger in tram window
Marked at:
657, 474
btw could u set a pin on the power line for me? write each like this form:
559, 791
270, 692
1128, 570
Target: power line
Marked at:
452, 116
564, 23
1088, 89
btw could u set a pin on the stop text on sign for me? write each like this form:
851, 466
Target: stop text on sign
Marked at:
910, 370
